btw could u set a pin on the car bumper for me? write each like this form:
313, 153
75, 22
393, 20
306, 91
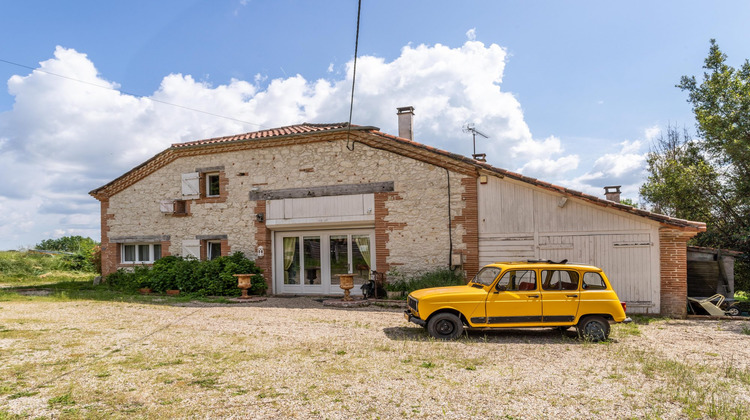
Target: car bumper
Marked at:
411, 318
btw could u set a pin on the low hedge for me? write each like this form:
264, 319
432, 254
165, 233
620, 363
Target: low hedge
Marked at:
443, 277
202, 278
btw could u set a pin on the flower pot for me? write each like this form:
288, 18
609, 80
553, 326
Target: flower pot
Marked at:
173, 292
144, 290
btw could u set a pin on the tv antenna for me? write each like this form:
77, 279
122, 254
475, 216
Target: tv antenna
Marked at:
469, 128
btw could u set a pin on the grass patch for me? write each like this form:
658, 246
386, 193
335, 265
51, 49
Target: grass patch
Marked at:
61, 400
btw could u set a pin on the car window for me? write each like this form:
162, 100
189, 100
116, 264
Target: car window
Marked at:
593, 281
559, 280
518, 280
486, 276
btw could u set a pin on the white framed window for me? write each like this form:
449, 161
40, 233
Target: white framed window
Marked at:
212, 184
140, 253
213, 250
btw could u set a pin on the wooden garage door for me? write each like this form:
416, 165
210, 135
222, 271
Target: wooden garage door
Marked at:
625, 258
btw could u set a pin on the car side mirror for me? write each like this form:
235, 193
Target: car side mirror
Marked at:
501, 288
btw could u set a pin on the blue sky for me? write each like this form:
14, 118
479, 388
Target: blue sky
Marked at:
569, 92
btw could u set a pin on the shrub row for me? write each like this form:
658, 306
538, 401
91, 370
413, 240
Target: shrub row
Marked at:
438, 278
202, 278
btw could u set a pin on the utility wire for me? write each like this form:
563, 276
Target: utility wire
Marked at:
130, 93
354, 78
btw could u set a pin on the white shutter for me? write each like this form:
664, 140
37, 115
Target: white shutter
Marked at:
166, 206
191, 248
191, 185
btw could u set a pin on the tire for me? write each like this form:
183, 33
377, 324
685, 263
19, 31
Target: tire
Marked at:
445, 326
593, 328
733, 311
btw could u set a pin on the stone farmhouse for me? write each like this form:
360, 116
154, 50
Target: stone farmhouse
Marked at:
310, 201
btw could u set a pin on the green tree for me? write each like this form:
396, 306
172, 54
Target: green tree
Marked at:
680, 178
721, 104
68, 244
709, 179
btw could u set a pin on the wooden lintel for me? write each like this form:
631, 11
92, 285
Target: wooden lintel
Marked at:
323, 191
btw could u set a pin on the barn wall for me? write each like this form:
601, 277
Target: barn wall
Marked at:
518, 222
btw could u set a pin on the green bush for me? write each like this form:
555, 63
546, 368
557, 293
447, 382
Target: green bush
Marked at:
190, 276
438, 278
24, 264
742, 274
83, 251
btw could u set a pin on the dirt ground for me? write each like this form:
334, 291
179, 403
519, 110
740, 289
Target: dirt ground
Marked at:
295, 358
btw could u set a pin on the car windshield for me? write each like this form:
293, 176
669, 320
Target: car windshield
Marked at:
486, 276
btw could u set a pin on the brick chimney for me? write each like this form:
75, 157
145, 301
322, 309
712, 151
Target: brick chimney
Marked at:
405, 119
612, 193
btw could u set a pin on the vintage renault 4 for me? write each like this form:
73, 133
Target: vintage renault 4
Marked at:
521, 295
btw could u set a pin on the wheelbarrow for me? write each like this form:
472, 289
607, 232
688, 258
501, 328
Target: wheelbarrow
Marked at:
712, 305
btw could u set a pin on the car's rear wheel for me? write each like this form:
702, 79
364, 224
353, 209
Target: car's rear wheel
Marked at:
445, 326
593, 328
733, 311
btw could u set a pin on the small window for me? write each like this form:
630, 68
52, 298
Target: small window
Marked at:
128, 253
140, 253
518, 280
559, 280
593, 281
214, 250
212, 185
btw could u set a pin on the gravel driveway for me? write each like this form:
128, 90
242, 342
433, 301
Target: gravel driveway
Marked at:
294, 358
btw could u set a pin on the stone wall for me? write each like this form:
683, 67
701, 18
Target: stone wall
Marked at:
414, 218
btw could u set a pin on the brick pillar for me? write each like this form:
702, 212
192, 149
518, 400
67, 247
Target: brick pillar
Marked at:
110, 251
673, 270
469, 218
383, 229
263, 238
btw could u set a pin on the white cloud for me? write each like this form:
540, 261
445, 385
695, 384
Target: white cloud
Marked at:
626, 167
550, 169
63, 138
651, 133
471, 34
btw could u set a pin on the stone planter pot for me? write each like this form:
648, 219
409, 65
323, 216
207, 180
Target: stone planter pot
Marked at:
173, 292
144, 290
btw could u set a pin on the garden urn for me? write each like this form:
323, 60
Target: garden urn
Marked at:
243, 282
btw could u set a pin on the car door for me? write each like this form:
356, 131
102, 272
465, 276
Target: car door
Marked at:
515, 300
560, 295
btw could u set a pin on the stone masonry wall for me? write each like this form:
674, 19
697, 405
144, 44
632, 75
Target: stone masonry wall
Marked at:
414, 221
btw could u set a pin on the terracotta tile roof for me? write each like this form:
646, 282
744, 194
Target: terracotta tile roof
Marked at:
374, 137
699, 226
304, 128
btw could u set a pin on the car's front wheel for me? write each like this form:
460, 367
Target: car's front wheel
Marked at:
593, 328
445, 326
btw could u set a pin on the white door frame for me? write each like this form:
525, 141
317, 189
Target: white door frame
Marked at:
325, 268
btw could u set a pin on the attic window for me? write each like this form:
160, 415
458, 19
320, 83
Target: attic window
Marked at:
212, 185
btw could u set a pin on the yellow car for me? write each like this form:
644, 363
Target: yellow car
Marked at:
521, 295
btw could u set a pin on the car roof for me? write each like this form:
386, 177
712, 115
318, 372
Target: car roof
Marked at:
548, 265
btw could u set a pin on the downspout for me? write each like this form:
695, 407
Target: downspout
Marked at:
450, 223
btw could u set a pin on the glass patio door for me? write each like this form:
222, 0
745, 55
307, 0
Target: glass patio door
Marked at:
310, 262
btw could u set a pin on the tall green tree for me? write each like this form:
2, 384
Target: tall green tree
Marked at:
679, 177
708, 179
68, 244
721, 104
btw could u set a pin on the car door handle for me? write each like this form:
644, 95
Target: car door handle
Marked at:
571, 295
534, 296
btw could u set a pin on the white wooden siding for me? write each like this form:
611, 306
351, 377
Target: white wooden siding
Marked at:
519, 222
342, 209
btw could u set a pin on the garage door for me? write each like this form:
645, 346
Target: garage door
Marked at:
625, 258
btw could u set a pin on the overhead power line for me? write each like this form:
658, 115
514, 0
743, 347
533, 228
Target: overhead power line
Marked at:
354, 78
131, 93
